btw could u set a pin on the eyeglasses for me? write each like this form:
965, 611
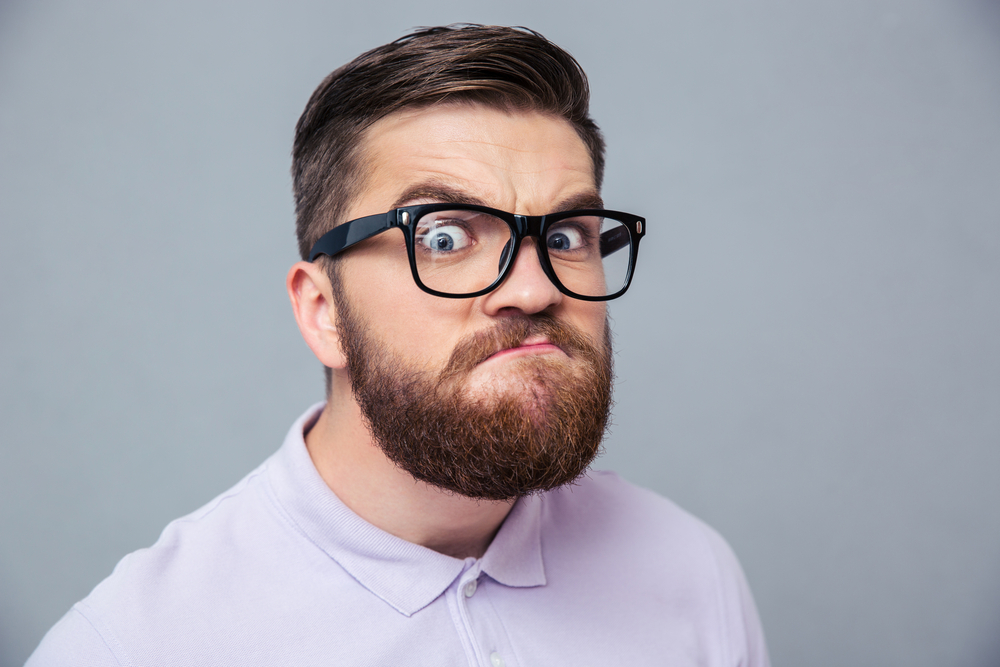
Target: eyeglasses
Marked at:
463, 251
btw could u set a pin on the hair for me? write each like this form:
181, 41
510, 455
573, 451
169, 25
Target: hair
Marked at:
512, 69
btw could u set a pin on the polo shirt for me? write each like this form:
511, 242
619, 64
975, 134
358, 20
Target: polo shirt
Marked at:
278, 571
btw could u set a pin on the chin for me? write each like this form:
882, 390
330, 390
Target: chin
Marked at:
532, 380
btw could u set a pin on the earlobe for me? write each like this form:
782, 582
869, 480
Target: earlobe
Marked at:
315, 312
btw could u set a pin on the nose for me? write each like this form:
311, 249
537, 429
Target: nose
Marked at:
526, 289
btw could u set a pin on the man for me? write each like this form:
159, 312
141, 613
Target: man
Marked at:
457, 261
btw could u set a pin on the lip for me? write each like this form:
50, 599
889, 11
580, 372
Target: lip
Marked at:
530, 346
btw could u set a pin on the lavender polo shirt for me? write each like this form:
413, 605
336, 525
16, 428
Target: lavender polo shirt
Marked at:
278, 571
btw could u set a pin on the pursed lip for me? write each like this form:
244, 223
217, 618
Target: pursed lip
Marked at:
530, 345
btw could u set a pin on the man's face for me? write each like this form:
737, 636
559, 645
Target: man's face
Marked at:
518, 378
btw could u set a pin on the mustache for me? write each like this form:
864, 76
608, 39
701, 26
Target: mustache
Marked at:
512, 332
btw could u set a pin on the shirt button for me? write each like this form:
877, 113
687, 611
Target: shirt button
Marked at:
496, 660
470, 590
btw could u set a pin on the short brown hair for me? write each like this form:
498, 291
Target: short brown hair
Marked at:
514, 69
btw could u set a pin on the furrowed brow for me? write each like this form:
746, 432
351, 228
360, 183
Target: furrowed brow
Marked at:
439, 192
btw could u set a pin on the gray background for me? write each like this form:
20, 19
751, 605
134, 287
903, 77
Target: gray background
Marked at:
808, 359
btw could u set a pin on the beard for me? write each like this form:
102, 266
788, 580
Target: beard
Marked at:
538, 431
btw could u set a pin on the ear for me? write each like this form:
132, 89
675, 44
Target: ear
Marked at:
312, 302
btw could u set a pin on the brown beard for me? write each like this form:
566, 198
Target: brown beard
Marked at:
500, 446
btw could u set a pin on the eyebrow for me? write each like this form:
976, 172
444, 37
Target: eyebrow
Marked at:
439, 192
583, 200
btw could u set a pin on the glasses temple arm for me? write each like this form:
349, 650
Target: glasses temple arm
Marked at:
614, 240
344, 236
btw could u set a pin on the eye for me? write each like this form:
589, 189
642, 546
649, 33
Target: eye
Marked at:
444, 238
565, 238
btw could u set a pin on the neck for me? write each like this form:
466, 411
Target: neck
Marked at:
355, 468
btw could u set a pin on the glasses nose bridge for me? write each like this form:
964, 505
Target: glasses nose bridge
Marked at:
529, 225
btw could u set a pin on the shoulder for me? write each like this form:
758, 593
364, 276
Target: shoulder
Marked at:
636, 544
74, 641
194, 556
633, 525
211, 534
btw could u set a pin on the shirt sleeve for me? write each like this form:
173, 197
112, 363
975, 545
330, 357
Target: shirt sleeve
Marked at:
744, 632
73, 641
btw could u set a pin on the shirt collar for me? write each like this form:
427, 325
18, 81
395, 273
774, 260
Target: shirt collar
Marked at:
406, 576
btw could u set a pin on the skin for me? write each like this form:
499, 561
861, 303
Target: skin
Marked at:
527, 163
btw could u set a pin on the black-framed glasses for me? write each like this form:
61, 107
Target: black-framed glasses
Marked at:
463, 251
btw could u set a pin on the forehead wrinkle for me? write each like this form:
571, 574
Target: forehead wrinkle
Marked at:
504, 171
496, 155
502, 163
446, 183
504, 190
496, 146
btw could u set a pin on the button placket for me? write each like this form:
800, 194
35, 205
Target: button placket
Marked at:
485, 627
477, 618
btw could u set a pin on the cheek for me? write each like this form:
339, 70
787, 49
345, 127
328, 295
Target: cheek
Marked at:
376, 275
427, 329
422, 329
590, 317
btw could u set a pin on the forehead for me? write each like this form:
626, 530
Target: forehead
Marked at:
523, 162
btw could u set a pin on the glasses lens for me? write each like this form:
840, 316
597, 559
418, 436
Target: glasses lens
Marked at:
590, 254
460, 252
